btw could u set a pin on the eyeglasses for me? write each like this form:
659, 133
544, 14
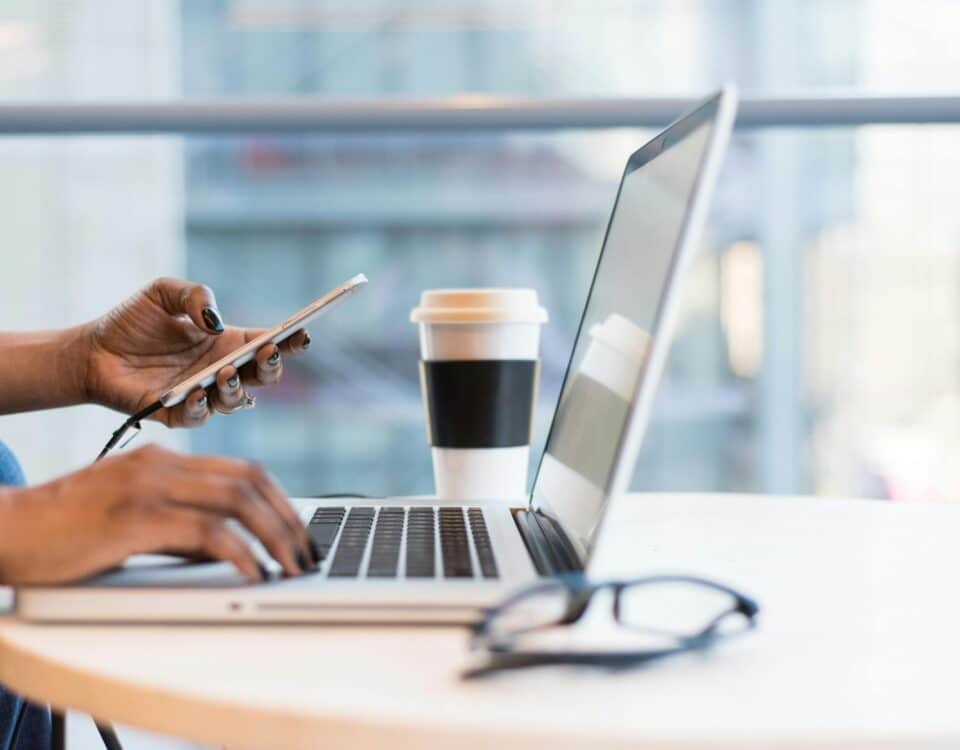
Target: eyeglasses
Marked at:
654, 617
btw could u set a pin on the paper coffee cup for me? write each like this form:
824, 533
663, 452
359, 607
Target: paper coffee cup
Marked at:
479, 371
590, 420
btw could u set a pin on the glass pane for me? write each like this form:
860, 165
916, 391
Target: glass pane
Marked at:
107, 49
817, 349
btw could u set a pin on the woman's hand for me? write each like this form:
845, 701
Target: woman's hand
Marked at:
160, 336
147, 500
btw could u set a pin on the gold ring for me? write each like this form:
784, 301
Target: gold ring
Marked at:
248, 402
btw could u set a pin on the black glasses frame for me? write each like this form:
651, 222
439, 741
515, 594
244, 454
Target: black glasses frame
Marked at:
580, 593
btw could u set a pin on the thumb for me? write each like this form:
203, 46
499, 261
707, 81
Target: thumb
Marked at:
178, 297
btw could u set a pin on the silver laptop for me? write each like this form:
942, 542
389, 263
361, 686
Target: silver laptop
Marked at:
426, 560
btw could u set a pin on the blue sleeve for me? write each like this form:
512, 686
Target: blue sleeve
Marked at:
10, 471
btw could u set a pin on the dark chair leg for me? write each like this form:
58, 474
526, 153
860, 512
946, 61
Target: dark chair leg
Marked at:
109, 736
58, 731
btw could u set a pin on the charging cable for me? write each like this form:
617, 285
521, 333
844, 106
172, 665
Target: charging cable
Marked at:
131, 424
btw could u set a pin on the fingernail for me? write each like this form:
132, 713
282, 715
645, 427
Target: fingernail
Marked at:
302, 561
306, 341
274, 358
202, 401
264, 573
315, 551
212, 318
234, 380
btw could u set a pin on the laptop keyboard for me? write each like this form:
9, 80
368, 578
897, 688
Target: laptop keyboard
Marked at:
397, 542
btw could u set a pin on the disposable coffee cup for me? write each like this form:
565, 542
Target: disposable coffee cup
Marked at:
590, 421
479, 371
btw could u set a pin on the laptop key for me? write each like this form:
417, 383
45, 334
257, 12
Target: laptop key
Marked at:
421, 545
352, 544
323, 528
385, 553
454, 544
482, 544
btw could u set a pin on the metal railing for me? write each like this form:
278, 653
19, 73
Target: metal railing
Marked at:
459, 113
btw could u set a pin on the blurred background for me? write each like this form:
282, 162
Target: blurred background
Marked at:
818, 348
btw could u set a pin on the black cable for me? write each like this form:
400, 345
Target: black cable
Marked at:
107, 733
133, 422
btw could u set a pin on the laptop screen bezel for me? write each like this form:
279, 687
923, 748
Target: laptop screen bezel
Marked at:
716, 112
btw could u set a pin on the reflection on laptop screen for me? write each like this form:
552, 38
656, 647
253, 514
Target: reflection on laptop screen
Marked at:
614, 340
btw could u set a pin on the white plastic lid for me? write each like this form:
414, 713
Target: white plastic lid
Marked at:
622, 335
479, 306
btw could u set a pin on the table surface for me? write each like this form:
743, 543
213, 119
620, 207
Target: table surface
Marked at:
856, 648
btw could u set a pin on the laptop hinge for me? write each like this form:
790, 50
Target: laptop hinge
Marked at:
547, 543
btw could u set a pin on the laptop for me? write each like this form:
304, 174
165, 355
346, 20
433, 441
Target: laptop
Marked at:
423, 559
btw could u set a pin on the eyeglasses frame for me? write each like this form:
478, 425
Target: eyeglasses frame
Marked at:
580, 591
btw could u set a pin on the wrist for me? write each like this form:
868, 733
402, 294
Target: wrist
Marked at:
75, 352
71, 364
44, 369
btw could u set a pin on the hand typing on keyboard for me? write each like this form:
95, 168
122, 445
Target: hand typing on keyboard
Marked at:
148, 500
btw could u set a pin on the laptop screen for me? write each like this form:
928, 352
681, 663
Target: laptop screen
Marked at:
619, 324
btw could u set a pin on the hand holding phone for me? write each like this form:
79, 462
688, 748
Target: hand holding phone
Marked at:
206, 377
245, 353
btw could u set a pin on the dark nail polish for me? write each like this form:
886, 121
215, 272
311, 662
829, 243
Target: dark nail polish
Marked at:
212, 318
234, 381
274, 358
306, 340
315, 551
264, 573
302, 561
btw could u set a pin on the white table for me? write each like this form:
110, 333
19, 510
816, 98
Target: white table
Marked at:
857, 648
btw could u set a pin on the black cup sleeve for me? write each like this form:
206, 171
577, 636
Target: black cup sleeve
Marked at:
479, 403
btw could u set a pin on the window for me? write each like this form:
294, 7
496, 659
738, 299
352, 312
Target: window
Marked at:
817, 348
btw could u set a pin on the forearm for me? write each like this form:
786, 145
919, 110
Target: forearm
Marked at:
43, 369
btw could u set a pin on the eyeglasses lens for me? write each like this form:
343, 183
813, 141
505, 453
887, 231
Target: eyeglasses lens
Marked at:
678, 608
540, 608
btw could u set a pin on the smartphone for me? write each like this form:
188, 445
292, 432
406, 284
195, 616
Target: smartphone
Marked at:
247, 352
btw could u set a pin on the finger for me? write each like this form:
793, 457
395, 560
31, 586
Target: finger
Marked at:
267, 367
238, 498
277, 498
229, 392
296, 344
268, 488
193, 411
179, 297
205, 534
